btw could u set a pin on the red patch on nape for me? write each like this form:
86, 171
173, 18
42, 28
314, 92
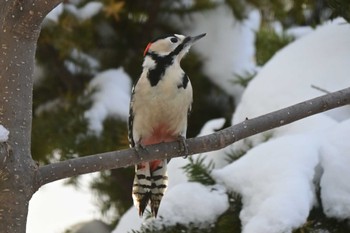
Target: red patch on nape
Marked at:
146, 49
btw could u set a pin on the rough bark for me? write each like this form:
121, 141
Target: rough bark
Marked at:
19, 30
215, 141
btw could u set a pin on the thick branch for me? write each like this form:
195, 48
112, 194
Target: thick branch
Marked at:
215, 141
46, 6
20, 22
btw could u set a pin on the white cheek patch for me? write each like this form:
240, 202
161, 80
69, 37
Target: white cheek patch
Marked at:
161, 48
148, 63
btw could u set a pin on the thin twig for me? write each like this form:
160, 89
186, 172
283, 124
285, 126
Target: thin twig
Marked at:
320, 89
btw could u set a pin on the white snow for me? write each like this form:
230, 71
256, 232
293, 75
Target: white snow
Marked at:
295, 32
129, 221
49, 106
83, 13
217, 158
277, 177
275, 180
185, 203
110, 99
55, 14
298, 32
57, 206
188, 203
335, 160
321, 58
4, 134
81, 63
228, 49
315, 124
174, 172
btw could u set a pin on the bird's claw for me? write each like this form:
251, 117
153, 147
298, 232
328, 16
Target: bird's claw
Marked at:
139, 148
183, 146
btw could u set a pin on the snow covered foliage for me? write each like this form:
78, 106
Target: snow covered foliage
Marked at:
275, 180
196, 208
335, 160
228, 50
111, 97
85, 12
295, 71
82, 39
54, 15
4, 134
279, 176
80, 62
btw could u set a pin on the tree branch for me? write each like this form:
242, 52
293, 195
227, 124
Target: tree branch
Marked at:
215, 141
46, 6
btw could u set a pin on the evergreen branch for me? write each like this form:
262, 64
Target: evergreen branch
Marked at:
234, 155
244, 80
215, 141
198, 171
320, 89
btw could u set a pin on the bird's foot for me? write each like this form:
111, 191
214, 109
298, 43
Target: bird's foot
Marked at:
139, 148
183, 145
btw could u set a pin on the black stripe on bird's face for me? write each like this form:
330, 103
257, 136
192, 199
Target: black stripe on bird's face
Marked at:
163, 62
180, 47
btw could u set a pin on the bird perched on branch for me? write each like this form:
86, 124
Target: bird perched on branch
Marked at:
159, 107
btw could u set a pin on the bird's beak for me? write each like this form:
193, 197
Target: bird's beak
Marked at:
192, 39
184, 47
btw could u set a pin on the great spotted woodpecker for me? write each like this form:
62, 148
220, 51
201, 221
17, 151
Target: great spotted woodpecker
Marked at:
160, 103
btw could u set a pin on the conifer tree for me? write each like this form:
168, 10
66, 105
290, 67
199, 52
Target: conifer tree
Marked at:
115, 37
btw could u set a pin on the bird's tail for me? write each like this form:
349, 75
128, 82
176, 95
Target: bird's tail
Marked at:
149, 185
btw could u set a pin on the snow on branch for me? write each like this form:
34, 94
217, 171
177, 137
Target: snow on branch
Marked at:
215, 141
4, 134
46, 6
4, 147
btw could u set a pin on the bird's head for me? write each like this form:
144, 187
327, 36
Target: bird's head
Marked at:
175, 46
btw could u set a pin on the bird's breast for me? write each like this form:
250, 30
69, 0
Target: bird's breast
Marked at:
162, 109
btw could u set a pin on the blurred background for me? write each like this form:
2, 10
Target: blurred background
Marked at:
90, 53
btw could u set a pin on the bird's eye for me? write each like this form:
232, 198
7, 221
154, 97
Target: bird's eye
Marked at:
174, 40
